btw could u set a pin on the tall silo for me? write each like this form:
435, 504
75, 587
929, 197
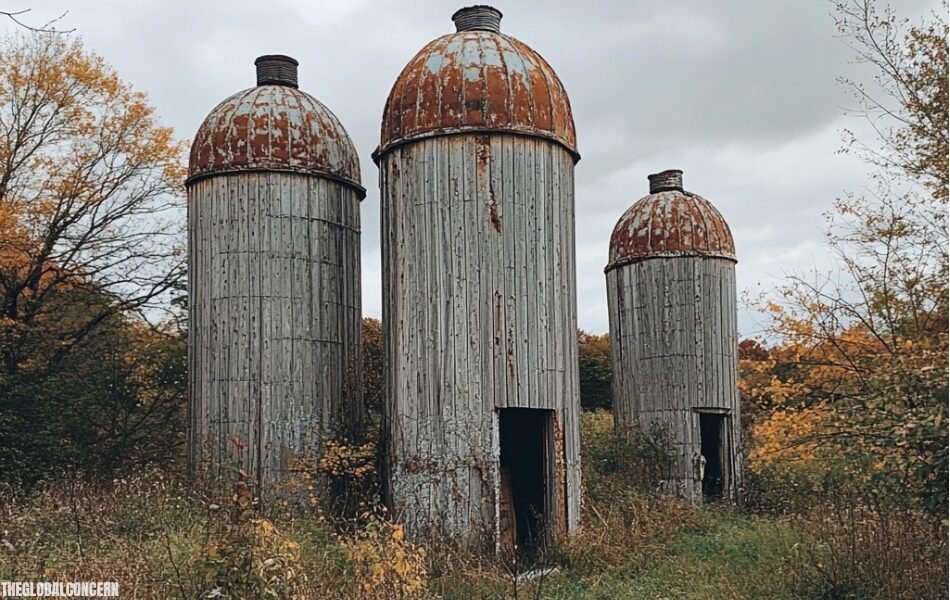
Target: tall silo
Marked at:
671, 289
476, 164
274, 276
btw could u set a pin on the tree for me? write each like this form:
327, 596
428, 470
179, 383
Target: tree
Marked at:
115, 402
862, 360
753, 379
595, 370
907, 103
90, 226
89, 190
373, 368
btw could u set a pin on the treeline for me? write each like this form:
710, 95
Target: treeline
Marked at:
850, 391
90, 255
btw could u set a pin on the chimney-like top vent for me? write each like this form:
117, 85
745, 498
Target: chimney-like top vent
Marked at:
478, 18
666, 180
276, 69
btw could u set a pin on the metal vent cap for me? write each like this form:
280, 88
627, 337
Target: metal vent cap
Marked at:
276, 69
477, 18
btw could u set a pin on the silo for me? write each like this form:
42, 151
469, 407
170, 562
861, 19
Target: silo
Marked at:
273, 276
476, 164
671, 290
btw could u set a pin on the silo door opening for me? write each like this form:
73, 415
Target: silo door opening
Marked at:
526, 460
712, 434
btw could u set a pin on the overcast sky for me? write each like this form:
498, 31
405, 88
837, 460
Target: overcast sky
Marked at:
741, 95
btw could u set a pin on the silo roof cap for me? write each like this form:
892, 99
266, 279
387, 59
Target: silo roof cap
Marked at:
670, 222
477, 80
274, 127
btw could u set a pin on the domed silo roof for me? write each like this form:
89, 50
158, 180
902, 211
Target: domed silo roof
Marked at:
477, 79
274, 127
670, 222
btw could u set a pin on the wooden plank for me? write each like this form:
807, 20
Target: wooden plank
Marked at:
466, 298
252, 267
681, 355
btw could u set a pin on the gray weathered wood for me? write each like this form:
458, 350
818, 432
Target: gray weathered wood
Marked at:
274, 319
479, 314
674, 347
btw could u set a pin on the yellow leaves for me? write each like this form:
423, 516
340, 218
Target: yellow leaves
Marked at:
341, 460
398, 533
787, 435
78, 138
851, 403
270, 560
387, 565
265, 529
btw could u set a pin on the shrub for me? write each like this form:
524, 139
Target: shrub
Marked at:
616, 465
847, 550
340, 482
244, 554
386, 564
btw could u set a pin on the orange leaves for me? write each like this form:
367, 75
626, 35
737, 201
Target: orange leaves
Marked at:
789, 435
90, 189
14, 239
343, 460
868, 404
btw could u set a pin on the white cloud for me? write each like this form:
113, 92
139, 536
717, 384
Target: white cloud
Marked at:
740, 95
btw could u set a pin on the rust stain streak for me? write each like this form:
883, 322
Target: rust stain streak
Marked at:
560, 481
493, 208
483, 166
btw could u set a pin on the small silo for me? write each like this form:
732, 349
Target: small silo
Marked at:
476, 164
671, 289
273, 276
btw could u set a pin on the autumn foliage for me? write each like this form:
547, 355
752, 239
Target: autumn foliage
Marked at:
854, 389
90, 250
595, 370
844, 398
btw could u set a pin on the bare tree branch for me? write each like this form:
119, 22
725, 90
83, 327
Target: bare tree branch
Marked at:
45, 28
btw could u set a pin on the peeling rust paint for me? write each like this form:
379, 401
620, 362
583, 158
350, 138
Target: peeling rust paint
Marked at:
670, 223
274, 128
560, 476
477, 81
489, 128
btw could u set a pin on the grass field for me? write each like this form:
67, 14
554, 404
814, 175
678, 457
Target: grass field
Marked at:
160, 536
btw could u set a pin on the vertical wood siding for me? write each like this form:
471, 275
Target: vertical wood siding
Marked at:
674, 347
274, 319
479, 313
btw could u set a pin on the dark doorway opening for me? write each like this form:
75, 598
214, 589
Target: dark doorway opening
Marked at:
712, 433
523, 434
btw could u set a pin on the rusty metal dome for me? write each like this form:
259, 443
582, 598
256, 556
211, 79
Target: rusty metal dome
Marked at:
670, 222
274, 127
477, 79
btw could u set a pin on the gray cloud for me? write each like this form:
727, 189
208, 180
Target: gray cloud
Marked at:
739, 94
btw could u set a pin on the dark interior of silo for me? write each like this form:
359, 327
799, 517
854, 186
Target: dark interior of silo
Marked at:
711, 427
523, 433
